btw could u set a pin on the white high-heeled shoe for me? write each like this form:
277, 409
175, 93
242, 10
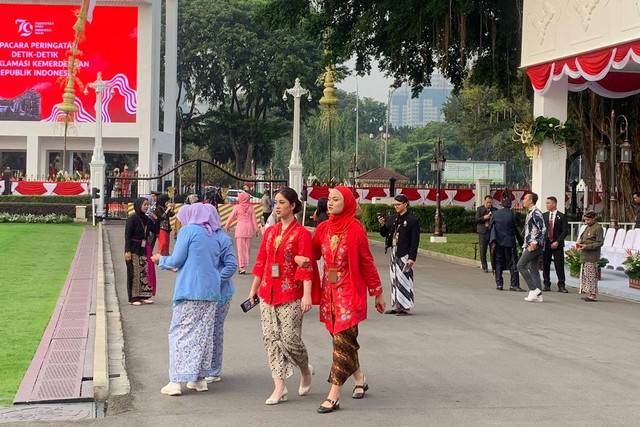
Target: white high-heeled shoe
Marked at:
283, 398
302, 391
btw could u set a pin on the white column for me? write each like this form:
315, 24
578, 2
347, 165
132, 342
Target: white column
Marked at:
295, 164
33, 157
170, 66
483, 189
147, 157
549, 163
98, 164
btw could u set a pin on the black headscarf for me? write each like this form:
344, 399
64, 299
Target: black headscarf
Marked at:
137, 206
162, 200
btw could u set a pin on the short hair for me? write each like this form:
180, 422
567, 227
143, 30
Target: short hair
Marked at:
292, 197
534, 197
553, 199
488, 196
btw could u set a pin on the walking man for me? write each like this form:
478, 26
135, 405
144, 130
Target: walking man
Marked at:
483, 216
557, 229
534, 232
503, 241
402, 232
265, 201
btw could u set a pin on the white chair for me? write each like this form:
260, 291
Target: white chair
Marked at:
613, 253
568, 244
610, 234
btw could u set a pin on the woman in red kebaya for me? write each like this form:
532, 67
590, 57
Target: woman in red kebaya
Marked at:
349, 273
285, 290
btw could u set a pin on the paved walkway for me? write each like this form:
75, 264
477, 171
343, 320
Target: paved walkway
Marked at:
469, 356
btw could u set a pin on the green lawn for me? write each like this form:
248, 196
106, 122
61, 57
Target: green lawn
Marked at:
460, 245
34, 263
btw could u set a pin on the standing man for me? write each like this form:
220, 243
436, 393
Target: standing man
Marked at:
265, 201
503, 240
557, 229
483, 216
534, 233
6, 175
636, 199
402, 232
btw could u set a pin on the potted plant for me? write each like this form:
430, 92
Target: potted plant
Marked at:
632, 268
573, 261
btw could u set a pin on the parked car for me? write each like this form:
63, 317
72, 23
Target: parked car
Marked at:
232, 196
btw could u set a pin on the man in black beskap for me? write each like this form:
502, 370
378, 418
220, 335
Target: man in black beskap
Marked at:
557, 231
402, 232
483, 216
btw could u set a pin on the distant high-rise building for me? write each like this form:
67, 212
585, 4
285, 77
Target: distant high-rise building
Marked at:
426, 108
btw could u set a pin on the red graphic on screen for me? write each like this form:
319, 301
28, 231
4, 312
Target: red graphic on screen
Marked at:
34, 45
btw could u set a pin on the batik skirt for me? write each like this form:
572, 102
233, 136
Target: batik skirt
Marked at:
589, 278
191, 340
401, 281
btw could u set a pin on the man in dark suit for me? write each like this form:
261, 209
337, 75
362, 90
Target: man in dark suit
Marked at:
503, 236
557, 230
483, 216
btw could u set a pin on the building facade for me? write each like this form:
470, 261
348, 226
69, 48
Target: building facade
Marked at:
426, 108
123, 44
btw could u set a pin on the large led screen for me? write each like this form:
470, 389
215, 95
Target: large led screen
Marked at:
34, 45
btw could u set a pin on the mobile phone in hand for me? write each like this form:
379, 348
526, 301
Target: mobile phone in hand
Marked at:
249, 304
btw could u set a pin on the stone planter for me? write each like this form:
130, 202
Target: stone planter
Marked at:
634, 283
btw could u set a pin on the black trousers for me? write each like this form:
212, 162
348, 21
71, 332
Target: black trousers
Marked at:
506, 259
483, 241
558, 261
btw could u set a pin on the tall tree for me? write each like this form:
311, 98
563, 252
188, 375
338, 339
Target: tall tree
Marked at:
233, 72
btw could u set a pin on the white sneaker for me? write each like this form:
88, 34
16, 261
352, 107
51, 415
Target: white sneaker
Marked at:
210, 380
200, 385
172, 389
534, 296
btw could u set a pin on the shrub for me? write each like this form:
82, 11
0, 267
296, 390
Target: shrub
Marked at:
455, 219
29, 218
74, 200
41, 208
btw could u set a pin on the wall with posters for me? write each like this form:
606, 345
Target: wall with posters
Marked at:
122, 42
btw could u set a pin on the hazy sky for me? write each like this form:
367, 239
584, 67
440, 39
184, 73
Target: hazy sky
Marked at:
375, 85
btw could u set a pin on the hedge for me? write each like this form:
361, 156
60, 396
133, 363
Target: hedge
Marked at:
455, 219
42, 208
74, 200
29, 218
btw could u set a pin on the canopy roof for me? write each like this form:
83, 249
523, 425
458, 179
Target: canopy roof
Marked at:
612, 72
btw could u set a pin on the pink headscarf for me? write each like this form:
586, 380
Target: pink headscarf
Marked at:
243, 203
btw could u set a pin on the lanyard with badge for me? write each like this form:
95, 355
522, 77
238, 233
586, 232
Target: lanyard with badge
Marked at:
275, 267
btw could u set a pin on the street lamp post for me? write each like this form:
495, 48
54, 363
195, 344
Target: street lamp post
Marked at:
386, 133
625, 157
353, 174
437, 166
295, 164
98, 164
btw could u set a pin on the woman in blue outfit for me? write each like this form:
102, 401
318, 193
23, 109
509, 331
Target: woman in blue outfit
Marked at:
227, 291
198, 256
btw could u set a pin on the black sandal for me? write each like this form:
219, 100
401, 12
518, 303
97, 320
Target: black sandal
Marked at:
335, 405
364, 388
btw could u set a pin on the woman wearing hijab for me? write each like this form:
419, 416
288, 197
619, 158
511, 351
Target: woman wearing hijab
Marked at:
402, 232
285, 289
164, 212
349, 273
203, 264
190, 200
246, 228
141, 274
227, 291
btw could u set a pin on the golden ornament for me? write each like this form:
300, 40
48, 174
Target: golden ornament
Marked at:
278, 241
335, 241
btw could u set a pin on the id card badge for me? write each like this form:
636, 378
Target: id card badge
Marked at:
332, 275
143, 244
275, 270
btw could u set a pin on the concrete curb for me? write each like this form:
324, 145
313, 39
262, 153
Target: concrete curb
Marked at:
100, 355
